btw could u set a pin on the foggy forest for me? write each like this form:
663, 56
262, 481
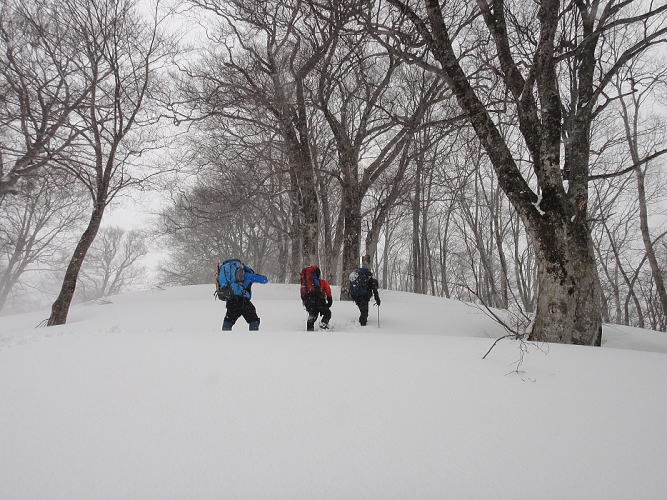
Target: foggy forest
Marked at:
505, 153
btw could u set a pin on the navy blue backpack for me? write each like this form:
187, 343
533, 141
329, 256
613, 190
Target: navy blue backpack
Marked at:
359, 281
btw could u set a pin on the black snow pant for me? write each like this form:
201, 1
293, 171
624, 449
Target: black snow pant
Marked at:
362, 304
237, 307
315, 307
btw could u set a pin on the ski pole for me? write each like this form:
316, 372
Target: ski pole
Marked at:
378, 316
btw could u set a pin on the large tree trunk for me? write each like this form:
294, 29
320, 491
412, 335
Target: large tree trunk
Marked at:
296, 226
351, 236
334, 252
294, 129
310, 228
60, 308
568, 302
306, 209
327, 230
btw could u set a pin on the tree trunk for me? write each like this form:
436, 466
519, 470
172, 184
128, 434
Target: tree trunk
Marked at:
351, 236
295, 256
60, 308
310, 210
327, 227
656, 272
283, 255
303, 196
568, 302
416, 209
498, 237
386, 283
334, 252
295, 229
5, 288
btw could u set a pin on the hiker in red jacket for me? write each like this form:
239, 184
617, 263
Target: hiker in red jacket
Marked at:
316, 297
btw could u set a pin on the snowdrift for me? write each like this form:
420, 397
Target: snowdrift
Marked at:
141, 396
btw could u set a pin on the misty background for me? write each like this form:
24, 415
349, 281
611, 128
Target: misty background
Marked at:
290, 133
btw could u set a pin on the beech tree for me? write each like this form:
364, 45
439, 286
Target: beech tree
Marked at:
554, 118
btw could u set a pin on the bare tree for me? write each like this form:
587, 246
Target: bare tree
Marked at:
237, 207
574, 35
43, 80
644, 139
128, 51
112, 263
258, 74
373, 119
36, 223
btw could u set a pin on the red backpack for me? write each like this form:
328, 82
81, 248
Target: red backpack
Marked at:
310, 281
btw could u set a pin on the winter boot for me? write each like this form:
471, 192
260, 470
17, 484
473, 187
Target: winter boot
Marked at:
310, 324
227, 325
324, 326
253, 326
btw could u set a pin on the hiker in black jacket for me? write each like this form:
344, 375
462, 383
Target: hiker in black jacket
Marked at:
363, 286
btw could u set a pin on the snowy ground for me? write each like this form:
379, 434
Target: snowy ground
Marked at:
144, 398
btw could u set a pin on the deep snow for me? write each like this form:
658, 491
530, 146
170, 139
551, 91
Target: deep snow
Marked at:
143, 397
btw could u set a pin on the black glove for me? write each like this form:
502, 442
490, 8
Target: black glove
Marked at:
329, 301
377, 301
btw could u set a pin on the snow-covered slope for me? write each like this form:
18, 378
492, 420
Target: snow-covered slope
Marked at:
144, 398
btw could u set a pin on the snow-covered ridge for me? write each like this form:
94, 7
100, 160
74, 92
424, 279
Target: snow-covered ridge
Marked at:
194, 309
143, 397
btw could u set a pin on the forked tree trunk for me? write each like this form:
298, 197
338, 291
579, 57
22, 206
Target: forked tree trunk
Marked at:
60, 308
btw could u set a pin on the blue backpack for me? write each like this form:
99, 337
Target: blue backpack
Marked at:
359, 281
230, 279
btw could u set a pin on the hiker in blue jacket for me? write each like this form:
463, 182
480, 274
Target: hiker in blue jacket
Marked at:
235, 280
